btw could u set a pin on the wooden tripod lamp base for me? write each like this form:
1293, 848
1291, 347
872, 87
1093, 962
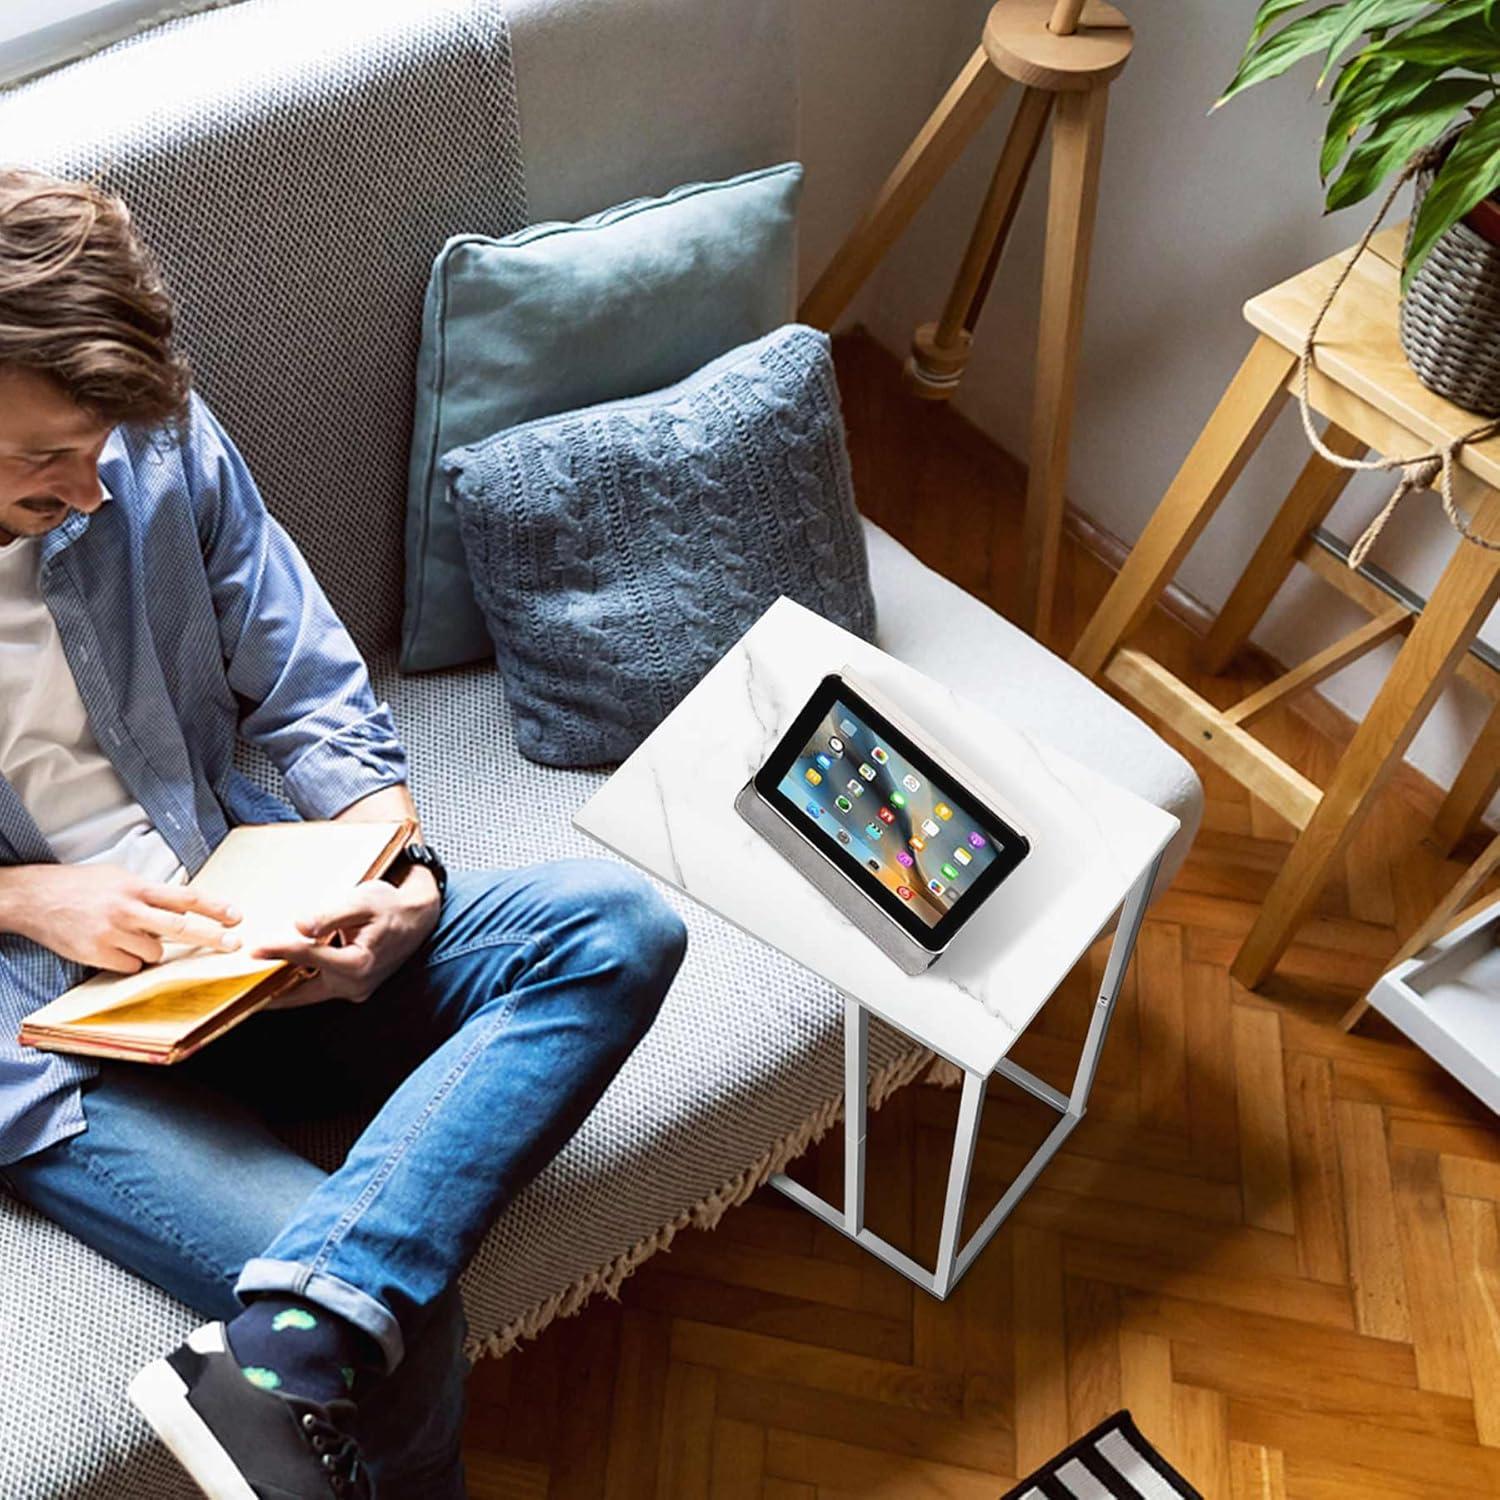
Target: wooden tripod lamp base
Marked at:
1064, 54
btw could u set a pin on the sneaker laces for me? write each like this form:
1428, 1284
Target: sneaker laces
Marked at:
339, 1454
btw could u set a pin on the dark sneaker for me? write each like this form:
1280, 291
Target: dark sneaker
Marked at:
239, 1442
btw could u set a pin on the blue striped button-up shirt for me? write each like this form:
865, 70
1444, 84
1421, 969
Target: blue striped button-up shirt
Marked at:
189, 618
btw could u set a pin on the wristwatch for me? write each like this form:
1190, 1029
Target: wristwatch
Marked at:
426, 856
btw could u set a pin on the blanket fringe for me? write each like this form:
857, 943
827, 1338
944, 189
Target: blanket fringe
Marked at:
704, 1214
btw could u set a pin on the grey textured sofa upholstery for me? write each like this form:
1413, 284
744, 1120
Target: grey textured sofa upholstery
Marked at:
285, 276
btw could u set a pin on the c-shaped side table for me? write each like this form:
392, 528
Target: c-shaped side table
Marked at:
1095, 852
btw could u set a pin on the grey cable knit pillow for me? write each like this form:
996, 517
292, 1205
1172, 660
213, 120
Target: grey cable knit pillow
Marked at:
618, 551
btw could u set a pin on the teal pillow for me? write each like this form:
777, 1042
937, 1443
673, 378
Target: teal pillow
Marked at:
562, 316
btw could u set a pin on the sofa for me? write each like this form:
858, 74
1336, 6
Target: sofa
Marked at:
297, 167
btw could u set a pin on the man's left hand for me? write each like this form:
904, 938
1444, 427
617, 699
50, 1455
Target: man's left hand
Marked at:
380, 926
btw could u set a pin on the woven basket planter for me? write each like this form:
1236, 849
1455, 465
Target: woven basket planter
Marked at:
1450, 316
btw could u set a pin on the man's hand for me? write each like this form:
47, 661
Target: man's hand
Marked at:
380, 926
107, 917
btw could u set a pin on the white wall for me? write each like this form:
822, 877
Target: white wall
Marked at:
1197, 214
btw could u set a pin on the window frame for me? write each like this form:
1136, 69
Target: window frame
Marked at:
39, 34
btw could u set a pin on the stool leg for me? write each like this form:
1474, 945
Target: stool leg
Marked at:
1072, 202
1464, 596
1474, 789
1245, 411
1309, 500
950, 127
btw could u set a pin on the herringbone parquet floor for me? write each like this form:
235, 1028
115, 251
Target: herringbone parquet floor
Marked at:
1278, 1245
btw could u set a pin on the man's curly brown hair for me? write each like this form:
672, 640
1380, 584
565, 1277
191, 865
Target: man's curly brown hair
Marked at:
82, 301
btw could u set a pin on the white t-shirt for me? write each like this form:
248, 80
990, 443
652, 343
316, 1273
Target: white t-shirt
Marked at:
48, 753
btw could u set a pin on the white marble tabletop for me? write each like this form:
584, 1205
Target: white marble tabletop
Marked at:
669, 809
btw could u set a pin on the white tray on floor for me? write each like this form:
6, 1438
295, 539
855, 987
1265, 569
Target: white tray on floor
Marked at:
1447, 1000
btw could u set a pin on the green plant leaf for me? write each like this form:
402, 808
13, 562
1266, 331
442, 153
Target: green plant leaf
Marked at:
1273, 56
1399, 135
1450, 40
1271, 12
1470, 174
1369, 15
1383, 85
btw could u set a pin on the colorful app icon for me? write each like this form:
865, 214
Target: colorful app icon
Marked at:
928, 826
844, 804
962, 856
977, 840
886, 815
897, 800
849, 727
825, 761
843, 835
942, 809
835, 744
867, 771
903, 858
950, 872
855, 789
911, 783
813, 810
815, 778
878, 754
936, 887
875, 830
917, 842
905, 892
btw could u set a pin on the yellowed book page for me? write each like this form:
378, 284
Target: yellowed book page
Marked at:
274, 873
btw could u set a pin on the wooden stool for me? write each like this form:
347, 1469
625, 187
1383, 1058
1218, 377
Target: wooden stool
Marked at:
1363, 385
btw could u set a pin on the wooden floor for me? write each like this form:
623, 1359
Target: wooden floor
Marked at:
1278, 1246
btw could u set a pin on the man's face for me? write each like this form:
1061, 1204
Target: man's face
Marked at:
49, 455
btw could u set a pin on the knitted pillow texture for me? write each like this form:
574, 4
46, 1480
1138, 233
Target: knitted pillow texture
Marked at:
618, 551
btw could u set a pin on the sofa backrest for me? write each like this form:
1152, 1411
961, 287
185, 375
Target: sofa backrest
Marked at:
296, 166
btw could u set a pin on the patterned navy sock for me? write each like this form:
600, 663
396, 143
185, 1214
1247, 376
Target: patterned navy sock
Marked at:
287, 1344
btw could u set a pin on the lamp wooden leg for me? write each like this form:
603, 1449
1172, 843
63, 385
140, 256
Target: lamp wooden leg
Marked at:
1249, 406
1309, 500
940, 351
1452, 618
1073, 198
1474, 789
950, 127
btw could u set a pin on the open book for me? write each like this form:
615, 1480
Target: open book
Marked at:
275, 873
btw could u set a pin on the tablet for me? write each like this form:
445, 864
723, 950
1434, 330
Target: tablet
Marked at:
910, 834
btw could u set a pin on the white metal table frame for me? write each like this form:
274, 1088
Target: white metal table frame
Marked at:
953, 1261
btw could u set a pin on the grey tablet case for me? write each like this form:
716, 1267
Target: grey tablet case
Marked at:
889, 936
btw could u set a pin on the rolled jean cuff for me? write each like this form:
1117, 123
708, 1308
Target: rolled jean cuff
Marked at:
341, 1299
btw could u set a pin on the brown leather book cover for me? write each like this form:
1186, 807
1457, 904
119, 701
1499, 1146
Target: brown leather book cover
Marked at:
274, 873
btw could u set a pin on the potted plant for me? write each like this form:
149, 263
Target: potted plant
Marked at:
1412, 81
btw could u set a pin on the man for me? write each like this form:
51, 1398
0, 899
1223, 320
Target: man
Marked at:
150, 612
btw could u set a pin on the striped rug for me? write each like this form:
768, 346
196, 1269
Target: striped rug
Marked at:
1113, 1462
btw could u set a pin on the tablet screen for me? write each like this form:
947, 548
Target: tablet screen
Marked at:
919, 844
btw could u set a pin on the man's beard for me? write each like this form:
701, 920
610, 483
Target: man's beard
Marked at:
47, 509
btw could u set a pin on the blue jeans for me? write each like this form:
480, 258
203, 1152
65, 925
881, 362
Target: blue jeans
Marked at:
482, 1055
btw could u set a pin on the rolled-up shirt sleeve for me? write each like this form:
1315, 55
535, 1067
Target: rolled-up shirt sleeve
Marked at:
303, 688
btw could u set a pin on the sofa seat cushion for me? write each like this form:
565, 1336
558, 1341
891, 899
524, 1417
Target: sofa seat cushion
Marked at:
741, 1071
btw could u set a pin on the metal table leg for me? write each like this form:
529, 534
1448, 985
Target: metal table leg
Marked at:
953, 1261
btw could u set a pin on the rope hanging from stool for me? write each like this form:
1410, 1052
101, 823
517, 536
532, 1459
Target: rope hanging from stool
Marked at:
1419, 470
